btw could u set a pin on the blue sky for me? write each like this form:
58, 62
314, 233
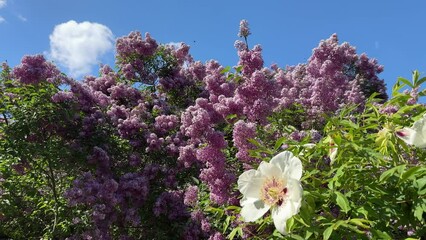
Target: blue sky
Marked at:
391, 31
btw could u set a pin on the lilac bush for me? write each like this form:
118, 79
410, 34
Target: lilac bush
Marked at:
154, 149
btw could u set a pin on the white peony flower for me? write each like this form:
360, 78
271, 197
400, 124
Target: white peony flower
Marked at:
416, 135
274, 186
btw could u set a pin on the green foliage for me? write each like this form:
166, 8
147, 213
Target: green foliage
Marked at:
376, 187
33, 163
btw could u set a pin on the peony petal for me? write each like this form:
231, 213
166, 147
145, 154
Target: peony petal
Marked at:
281, 159
420, 125
289, 164
250, 183
416, 135
290, 207
253, 209
412, 137
270, 170
280, 216
295, 193
295, 168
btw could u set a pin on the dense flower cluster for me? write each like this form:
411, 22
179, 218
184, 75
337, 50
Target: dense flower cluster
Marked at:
241, 135
35, 69
333, 76
132, 53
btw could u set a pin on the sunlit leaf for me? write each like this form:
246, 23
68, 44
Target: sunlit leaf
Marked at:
343, 202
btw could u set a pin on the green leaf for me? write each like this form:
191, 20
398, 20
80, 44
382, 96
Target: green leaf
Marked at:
239, 68
418, 212
297, 237
226, 223
349, 124
363, 211
410, 172
279, 142
420, 81
339, 223
308, 234
360, 222
420, 184
406, 81
415, 76
381, 235
388, 173
290, 224
231, 116
396, 88
232, 234
327, 233
225, 70
240, 232
254, 142
343, 202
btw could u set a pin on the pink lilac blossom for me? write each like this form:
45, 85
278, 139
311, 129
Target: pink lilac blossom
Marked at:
333, 76
227, 106
191, 196
125, 94
164, 123
215, 173
154, 142
388, 109
215, 81
217, 236
134, 49
242, 133
35, 69
257, 94
62, 96
187, 156
250, 60
130, 127
197, 120
414, 96
170, 204
104, 82
244, 29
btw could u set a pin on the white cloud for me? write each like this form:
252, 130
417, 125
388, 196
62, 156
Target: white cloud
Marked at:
22, 18
78, 46
2, 3
2, 19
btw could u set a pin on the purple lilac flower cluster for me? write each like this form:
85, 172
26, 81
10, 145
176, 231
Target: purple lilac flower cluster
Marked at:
242, 133
244, 29
35, 69
333, 76
132, 52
